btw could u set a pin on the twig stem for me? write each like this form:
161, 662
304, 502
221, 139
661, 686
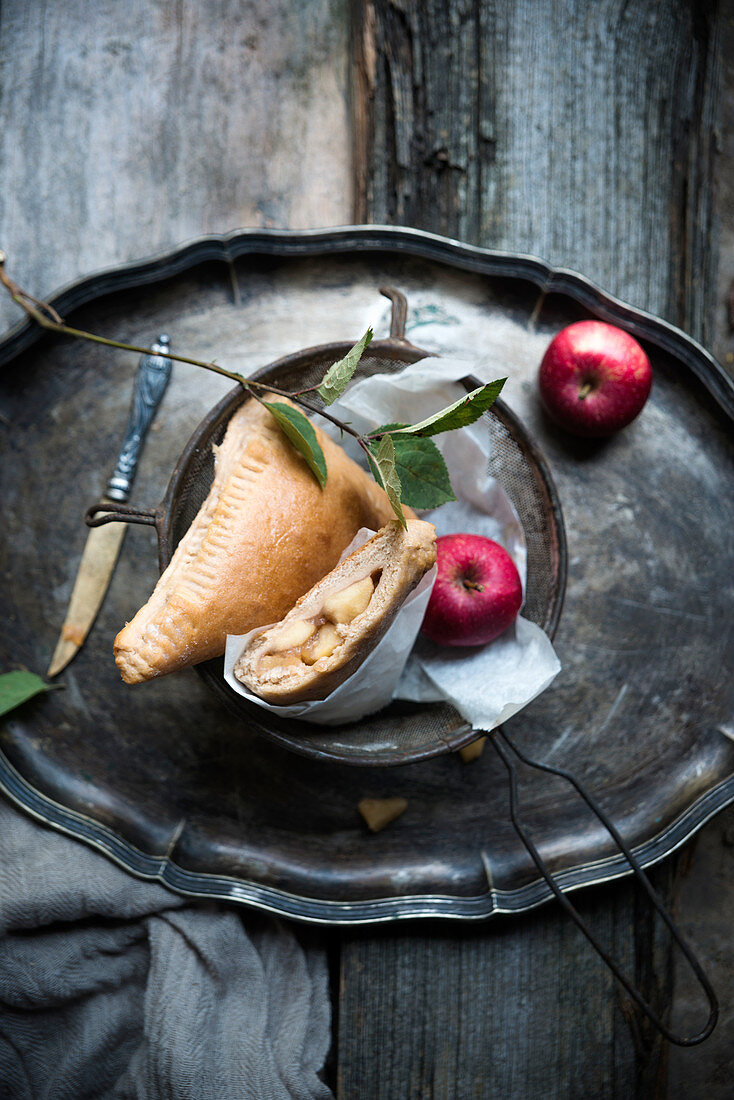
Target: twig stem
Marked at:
47, 317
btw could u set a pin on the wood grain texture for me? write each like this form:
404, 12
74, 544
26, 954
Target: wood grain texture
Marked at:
584, 134
581, 133
704, 904
723, 337
493, 1011
705, 898
128, 128
514, 1009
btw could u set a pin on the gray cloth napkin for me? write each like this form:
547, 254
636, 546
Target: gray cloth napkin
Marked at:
115, 988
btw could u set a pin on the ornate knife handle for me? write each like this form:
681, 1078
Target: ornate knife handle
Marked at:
151, 380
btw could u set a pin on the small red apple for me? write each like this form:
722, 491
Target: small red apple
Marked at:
477, 593
594, 378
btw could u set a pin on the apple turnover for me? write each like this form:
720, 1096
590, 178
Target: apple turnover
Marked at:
328, 633
264, 535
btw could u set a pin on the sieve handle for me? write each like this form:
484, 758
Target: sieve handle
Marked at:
399, 317
505, 748
107, 512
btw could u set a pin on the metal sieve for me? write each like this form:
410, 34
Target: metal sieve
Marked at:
402, 732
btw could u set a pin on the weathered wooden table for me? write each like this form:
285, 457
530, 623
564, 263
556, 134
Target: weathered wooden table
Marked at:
590, 135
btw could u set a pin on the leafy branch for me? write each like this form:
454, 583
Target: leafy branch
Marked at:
403, 458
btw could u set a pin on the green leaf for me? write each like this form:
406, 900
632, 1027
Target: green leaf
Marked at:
388, 428
338, 376
462, 412
300, 431
383, 454
18, 687
422, 471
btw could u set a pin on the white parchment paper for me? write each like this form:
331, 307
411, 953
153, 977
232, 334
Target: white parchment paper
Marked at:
486, 684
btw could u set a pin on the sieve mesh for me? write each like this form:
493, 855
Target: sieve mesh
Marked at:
402, 731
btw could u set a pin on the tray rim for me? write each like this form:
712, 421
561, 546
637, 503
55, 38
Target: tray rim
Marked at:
494, 903
228, 247
412, 242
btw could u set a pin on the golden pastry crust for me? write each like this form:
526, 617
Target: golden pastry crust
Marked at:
278, 664
264, 535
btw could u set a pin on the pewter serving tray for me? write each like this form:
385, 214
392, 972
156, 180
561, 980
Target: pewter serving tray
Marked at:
163, 779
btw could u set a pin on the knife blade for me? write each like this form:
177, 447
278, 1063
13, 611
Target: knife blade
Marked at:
103, 544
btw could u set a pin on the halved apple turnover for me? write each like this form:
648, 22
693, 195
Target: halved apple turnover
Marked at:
330, 630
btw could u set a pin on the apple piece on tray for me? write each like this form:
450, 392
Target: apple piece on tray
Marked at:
477, 593
594, 379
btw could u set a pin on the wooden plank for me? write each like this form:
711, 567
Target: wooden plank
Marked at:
129, 128
518, 1009
723, 342
705, 898
583, 134
704, 904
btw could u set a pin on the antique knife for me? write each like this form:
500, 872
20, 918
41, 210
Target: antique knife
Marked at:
103, 543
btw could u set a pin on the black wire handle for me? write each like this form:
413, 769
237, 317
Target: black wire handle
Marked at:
501, 744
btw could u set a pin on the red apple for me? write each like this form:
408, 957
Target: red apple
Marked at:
594, 378
477, 593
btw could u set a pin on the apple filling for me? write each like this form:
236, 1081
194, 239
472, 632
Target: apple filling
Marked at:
306, 641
